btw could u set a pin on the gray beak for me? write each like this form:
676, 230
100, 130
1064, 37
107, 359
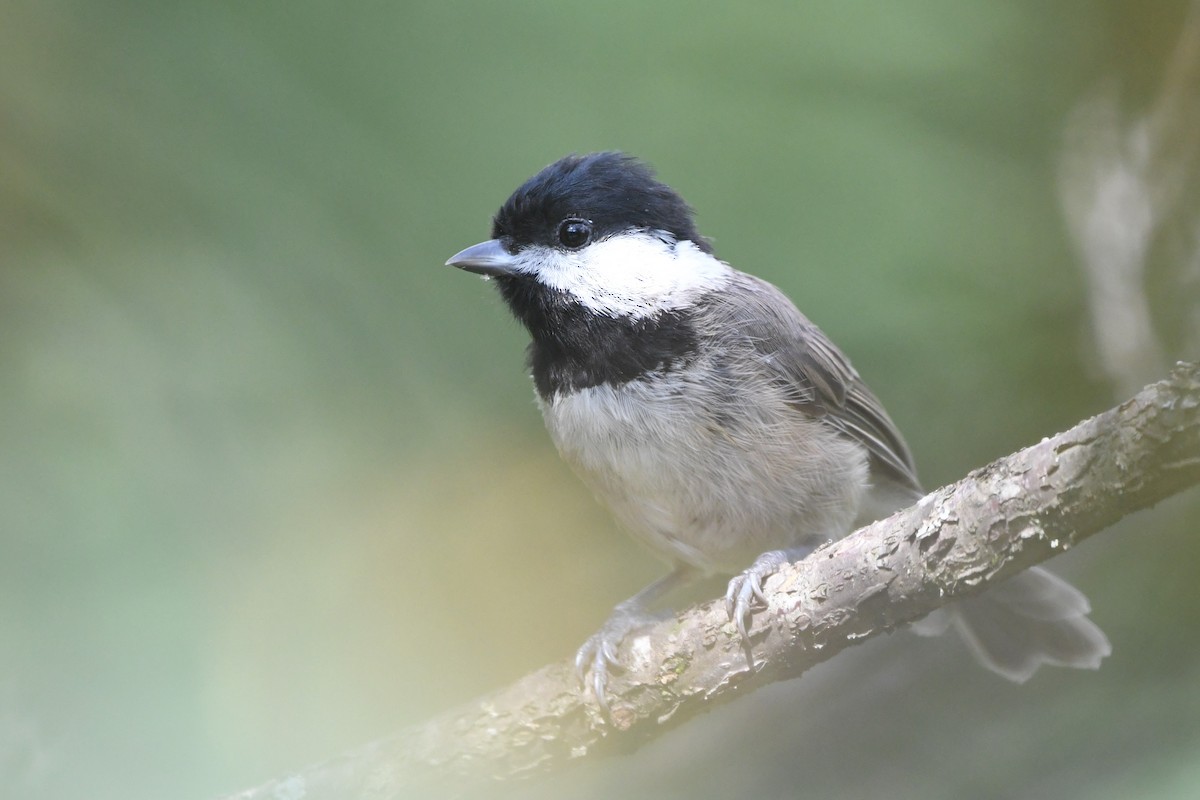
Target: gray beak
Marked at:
485, 258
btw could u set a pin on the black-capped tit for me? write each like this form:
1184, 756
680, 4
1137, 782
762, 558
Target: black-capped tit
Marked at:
723, 429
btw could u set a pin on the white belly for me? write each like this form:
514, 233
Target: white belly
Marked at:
704, 490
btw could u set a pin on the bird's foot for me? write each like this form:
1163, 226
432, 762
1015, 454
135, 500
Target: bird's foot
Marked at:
745, 588
599, 653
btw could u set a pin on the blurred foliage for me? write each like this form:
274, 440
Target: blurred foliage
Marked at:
272, 482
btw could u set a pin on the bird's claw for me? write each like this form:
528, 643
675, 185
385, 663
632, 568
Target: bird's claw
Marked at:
592, 661
599, 653
747, 587
743, 590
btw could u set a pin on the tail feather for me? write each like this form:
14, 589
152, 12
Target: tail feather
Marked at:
1033, 618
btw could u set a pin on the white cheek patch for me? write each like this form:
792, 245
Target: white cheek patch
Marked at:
631, 275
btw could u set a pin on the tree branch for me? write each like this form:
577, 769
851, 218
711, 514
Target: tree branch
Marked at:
1016, 512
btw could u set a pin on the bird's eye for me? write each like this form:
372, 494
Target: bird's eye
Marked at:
574, 233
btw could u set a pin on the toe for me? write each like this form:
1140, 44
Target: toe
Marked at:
745, 602
583, 661
600, 684
731, 593
592, 663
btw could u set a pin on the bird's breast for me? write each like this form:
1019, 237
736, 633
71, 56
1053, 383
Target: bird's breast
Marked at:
706, 478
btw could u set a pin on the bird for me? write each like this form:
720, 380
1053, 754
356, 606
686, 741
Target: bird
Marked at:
723, 429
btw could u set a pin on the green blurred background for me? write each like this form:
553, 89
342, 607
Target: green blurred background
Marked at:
271, 479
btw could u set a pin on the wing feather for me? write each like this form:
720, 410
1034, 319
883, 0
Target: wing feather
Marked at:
816, 373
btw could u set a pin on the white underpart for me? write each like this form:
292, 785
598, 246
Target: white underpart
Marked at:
635, 274
698, 493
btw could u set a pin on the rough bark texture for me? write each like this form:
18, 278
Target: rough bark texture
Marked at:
1012, 514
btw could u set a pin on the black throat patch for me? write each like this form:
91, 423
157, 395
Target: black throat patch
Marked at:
574, 348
